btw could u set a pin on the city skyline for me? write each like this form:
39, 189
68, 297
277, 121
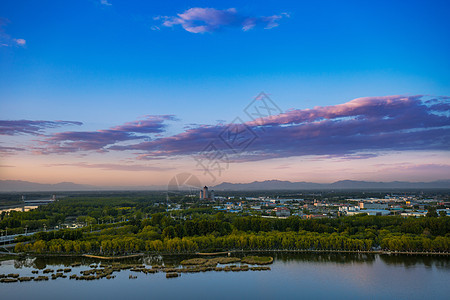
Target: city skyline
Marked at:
125, 93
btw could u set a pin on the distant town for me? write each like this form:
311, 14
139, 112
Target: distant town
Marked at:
315, 205
312, 205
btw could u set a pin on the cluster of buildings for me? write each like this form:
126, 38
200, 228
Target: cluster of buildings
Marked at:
393, 205
323, 208
206, 194
268, 207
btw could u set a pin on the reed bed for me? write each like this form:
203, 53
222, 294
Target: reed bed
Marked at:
257, 260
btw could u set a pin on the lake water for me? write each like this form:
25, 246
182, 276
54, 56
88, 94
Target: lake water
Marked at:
293, 276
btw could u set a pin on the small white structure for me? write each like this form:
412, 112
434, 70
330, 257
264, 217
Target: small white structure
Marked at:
349, 210
282, 211
413, 214
366, 205
375, 212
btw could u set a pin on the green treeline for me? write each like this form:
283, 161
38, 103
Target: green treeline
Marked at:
185, 232
89, 210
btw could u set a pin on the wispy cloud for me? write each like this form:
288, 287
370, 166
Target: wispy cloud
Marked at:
73, 141
364, 125
418, 171
105, 2
6, 40
17, 127
6, 151
113, 167
414, 168
201, 20
20, 42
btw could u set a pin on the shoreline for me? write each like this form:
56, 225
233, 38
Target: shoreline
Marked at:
213, 253
349, 251
113, 257
379, 252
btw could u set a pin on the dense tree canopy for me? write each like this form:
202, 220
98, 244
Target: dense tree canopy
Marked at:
116, 225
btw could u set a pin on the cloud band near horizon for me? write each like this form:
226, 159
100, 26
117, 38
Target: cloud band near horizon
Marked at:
365, 125
361, 128
17, 127
74, 141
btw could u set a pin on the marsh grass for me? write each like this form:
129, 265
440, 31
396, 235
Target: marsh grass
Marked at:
257, 260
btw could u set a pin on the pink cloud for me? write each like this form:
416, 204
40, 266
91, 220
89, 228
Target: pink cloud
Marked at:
113, 167
20, 42
6, 151
366, 125
201, 20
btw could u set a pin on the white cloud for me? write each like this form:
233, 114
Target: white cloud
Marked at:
5, 39
105, 2
20, 42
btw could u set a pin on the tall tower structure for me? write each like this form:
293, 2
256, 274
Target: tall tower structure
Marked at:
205, 193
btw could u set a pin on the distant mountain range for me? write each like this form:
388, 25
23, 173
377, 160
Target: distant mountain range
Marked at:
26, 186
338, 185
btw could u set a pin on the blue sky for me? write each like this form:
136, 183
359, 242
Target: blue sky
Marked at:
106, 63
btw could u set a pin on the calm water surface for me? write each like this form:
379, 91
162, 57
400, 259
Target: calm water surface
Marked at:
293, 276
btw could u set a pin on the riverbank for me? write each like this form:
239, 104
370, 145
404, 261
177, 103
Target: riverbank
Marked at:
113, 257
345, 251
230, 252
213, 253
